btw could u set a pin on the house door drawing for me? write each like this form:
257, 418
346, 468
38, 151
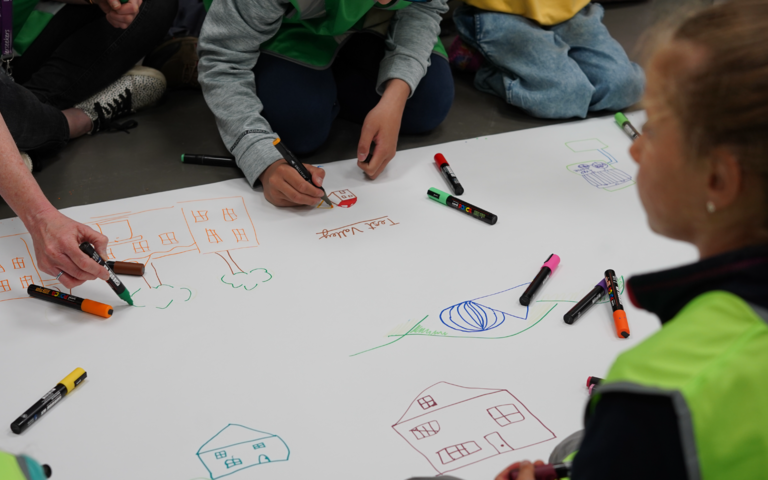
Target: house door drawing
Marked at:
264, 459
498, 443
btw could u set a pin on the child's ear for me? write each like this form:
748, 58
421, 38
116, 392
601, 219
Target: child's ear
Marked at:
726, 178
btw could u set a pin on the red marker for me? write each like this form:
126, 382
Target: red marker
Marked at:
449, 175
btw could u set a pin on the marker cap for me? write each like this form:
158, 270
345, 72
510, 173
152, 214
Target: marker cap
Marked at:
552, 262
603, 285
621, 119
622, 327
182, 158
440, 159
438, 195
96, 308
73, 379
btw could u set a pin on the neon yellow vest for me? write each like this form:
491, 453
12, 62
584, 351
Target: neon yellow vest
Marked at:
313, 32
712, 361
20, 467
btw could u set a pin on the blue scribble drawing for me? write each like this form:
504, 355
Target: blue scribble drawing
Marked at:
472, 316
237, 447
599, 173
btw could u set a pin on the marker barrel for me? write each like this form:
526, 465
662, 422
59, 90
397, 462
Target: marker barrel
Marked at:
584, 304
212, 160
546, 270
127, 268
298, 166
71, 301
113, 281
449, 175
42, 406
459, 204
619, 316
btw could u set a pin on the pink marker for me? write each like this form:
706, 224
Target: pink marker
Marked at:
546, 270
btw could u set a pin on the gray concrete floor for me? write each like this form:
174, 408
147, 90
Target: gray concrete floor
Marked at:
118, 165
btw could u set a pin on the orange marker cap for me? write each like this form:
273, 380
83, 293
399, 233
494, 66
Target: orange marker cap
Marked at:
622, 326
96, 308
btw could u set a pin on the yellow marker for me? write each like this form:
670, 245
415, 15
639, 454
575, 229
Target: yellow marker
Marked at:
49, 400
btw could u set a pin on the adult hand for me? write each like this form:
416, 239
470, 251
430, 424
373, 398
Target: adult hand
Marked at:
382, 126
120, 15
284, 187
57, 238
525, 467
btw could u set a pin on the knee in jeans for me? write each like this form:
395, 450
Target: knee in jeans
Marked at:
429, 105
566, 99
304, 133
625, 87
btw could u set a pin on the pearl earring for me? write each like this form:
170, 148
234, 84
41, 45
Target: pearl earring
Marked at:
711, 206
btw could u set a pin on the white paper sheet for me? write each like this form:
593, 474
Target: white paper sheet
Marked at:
379, 339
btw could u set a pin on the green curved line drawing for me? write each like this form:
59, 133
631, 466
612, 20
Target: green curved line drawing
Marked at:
577, 301
156, 288
243, 284
393, 341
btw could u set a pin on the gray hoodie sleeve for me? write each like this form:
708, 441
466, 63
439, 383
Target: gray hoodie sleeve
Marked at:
229, 48
411, 37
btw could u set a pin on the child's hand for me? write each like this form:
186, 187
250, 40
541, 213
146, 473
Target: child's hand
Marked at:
382, 126
120, 15
284, 187
525, 467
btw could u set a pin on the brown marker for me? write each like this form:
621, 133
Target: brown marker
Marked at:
71, 301
127, 268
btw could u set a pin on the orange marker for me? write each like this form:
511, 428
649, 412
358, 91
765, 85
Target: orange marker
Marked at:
61, 298
619, 317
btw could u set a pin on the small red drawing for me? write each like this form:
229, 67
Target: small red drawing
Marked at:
453, 426
168, 238
26, 280
18, 263
5, 286
343, 198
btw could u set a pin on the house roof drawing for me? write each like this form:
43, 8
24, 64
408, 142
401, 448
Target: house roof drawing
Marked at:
233, 434
445, 395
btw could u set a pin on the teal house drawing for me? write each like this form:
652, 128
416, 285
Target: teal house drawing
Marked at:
236, 448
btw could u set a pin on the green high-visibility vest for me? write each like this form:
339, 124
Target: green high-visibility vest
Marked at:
711, 360
21, 467
313, 32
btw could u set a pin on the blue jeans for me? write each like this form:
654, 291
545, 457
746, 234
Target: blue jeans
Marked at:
301, 103
561, 71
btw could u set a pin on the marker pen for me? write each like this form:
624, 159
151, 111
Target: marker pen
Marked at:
449, 175
628, 128
619, 316
113, 281
585, 303
592, 383
212, 160
298, 166
71, 301
547, 472
49, 400
459, 204
127, 268
546, 270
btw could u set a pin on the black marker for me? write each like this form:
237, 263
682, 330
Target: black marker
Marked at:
213, 160
448, 173
113, 281
298, 166
459, 204
546, 270
370, 153
585, 303
50, 399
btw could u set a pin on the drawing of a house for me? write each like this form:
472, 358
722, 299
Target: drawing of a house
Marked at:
454, 426
343, 198
237, 447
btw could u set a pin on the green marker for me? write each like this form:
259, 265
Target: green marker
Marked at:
113, 281
623, 122
459, 204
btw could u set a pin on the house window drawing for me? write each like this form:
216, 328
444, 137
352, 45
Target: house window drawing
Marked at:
200, 216
5, 286
342, 198
140, 246
26, 281
426, 430
427, 402
110, 254
168, 238
473, 424
18, 263
213, 237
229, 214
455, 452
506, 414
240, 235
239, 444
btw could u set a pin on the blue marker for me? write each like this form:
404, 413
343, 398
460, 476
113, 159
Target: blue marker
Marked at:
585, 303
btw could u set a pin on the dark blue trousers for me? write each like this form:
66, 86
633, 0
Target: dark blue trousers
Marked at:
301, 103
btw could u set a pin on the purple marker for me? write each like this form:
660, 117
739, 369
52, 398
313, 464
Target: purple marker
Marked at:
592, 298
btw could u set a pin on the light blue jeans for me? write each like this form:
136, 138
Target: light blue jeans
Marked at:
561, 71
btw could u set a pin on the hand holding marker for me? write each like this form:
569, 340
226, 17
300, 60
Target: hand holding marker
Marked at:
113, 281
298, 166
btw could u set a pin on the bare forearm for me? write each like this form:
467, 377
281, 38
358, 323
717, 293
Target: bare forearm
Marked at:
17, 186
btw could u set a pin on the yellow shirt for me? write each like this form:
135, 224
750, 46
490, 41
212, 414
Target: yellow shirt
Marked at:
545, 12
